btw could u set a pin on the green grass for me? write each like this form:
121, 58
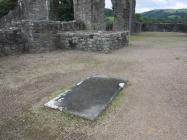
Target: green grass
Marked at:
110, 19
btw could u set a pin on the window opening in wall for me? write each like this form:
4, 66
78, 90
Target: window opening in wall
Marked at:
109, 16
66, 10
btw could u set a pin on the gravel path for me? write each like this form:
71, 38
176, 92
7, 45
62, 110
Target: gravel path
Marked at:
154, 106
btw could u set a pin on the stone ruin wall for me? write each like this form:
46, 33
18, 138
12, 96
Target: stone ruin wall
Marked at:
12, 42
42, 35
167, 27
134, 25
31, 10
104, 42
34, 29
121, 14
38, 37
137, 28
34, 36
91, 13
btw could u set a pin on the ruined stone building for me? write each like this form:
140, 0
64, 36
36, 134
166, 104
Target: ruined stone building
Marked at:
93, 13
35, 24
32, 10
90, 12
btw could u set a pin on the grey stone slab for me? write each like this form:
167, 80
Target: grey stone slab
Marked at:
88, 98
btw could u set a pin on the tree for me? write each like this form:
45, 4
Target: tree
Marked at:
139, 18
6, 6
66, 10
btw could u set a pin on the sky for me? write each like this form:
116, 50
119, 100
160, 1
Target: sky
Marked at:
147, 5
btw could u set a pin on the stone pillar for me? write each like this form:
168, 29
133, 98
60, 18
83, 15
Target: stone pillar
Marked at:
39, 9
36, 9
53, 10
91, 13
121, 9
133, 17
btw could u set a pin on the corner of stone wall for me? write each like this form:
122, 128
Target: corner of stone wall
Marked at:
42, 35
13, 41
96, 41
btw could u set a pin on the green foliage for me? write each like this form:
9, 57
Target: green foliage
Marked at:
66, 10
6, 6
109, 23
109, 19
109, 12
140, 18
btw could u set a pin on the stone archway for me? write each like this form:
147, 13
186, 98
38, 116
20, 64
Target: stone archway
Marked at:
91, 13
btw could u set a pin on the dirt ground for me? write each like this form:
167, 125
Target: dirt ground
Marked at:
153, 107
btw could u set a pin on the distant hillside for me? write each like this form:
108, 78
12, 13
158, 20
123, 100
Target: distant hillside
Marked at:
156, 16
166, 15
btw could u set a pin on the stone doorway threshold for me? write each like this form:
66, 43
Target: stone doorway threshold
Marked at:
88, 98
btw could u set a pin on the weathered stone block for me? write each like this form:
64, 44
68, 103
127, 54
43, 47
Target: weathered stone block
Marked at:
89, 97
93, 41
91, 13
165, 27
12, 42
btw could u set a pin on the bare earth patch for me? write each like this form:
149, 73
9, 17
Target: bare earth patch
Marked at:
154, 106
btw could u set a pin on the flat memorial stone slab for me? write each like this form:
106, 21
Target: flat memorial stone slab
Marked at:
88, 98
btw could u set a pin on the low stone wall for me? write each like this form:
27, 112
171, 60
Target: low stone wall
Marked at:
164, 27
42, 35
12, 42
45, 36
33, 36
93, 41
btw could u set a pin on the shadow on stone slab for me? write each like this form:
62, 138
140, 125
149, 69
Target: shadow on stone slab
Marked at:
88, 98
